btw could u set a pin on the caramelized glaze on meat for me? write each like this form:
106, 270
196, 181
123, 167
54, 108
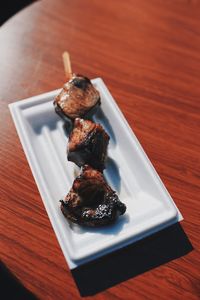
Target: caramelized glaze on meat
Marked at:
77, 98
91, 201
88, 143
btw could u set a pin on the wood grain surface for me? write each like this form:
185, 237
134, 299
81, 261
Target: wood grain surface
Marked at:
148, 53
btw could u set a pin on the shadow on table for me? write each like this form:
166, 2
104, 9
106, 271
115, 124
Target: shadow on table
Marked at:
11, 288
132, 260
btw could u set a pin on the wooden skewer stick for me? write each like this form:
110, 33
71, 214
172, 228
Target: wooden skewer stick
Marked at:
67, 65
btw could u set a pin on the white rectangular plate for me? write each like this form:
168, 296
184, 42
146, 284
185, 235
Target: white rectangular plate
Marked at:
129, 171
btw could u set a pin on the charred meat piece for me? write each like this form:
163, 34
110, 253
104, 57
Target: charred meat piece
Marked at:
88, 143
91, 201
78, 99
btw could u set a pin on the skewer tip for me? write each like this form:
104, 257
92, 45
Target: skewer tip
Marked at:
67, 64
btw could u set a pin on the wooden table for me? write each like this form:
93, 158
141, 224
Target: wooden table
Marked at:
148, 53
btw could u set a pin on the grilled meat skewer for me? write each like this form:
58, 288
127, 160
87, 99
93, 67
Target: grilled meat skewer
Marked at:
91, 201
87, 144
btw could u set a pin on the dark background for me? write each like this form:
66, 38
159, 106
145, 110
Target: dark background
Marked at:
9, 8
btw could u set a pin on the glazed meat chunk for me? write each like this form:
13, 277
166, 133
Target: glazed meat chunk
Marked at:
77, 99
91, 201
88, 143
